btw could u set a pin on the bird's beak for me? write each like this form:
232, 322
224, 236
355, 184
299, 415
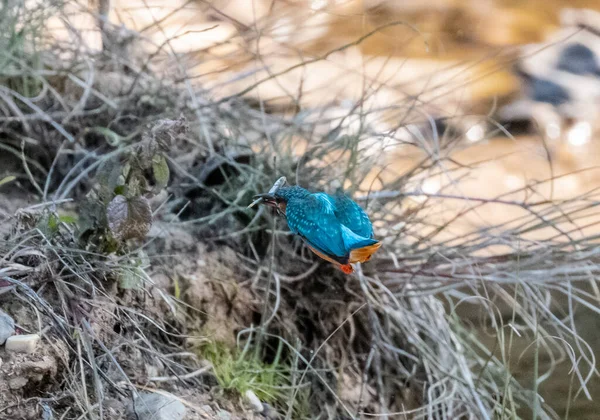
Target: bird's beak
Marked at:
267, 198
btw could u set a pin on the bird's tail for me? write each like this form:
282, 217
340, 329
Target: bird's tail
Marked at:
361, 248
363, 254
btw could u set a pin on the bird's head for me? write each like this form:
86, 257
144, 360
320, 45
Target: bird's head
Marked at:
280, 198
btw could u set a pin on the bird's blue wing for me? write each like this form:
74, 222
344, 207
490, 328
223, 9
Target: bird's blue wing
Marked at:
314, 220
352, 216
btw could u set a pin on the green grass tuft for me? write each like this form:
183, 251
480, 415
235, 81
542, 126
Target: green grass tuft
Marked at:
240, 371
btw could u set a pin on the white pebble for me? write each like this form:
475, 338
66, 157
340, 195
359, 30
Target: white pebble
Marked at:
254, 401
22, 343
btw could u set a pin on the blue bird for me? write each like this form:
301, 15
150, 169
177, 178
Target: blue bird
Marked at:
333, 226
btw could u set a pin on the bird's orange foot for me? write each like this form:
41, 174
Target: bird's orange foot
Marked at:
347, 268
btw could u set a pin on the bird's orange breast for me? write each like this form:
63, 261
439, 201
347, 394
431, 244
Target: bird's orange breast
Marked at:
322, 255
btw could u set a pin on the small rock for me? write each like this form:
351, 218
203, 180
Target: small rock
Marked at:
269, 412
208, 410
223, 415
254, 401
7, 327
157, 407
17, 383
22, 343
151, 371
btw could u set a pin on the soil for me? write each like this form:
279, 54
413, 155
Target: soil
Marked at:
25, 378
215, 307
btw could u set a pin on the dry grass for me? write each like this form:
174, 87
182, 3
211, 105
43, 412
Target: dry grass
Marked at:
392, 341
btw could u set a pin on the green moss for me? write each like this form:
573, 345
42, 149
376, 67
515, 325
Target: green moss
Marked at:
239, 371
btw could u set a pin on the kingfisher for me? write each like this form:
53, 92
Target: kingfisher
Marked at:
333, 226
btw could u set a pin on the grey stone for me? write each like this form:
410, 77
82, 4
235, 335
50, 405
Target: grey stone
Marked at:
7, 327
223, 415
208, 410
18, 382
150, 406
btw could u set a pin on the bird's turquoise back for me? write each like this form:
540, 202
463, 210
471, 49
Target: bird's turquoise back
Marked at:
352, 215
